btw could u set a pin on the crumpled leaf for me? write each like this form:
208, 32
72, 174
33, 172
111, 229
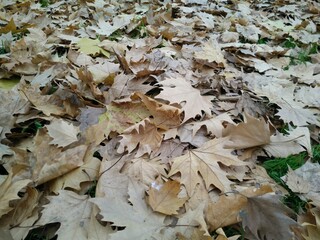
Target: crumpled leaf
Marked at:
9, 191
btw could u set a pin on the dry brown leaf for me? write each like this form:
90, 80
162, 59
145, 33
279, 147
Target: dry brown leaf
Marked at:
211, 54
264, 212
164, 116
163, 198
250, 133
144, 170
52, 162
143, 134
201, 165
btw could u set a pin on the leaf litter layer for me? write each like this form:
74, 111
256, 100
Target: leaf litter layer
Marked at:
150, 120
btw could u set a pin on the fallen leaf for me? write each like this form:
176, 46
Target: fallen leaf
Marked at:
62, 132
264, 212
72, 211
164, 198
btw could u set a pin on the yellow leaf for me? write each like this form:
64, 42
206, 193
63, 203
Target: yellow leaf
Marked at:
90, 46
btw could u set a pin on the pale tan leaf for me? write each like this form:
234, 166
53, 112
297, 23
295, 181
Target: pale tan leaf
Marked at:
295, 141
211, 54
88, 172
201, 164
244, 135
72, 211
179, 90
164, 116
62, 132
139, 220
144, 170
52, 162
296, 183
9, 191
164, 198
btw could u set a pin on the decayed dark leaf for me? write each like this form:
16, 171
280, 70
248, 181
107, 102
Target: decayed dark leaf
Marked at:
266, 218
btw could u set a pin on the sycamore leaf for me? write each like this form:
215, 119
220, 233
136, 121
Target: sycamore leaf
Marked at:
72, 211
144, 170
306, 181
179, 90
9, 191
90, 46
144, 134
295, 141
211, 54
225, 210
298, 116
164, 198
164, 116
263, 213
244, 135
139, 220
51, 162
201, 165
62, 132
73, 179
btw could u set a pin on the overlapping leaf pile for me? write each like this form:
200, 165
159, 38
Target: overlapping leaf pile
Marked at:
145, 120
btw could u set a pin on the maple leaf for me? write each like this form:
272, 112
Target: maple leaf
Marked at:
178, 90
211, 54
9, 191
164, 116
201, 164
295, 141
90, 46
62, 132
263, 213
244, 135
72, 211
51, 162
190, 224
163, 198
144, 170
144, 134
139, 220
